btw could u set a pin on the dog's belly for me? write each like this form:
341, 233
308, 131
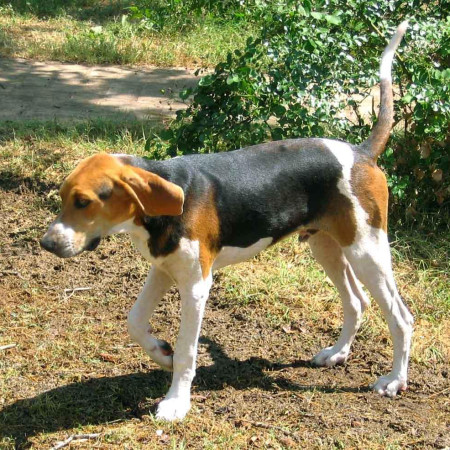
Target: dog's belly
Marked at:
233, 255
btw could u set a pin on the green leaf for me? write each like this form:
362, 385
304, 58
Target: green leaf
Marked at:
279, 110
307, 5
206, 81
276, 134
335, 20
185, 93
407, 98
312, 43
445, 74
232, 78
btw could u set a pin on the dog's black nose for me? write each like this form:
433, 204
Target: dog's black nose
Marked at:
48, 244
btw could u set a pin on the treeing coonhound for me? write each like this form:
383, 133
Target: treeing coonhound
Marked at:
194, 214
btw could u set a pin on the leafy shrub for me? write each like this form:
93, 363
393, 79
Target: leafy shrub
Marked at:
298, 76
418, 159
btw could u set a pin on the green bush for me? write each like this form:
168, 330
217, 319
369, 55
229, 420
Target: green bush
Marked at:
296, 78
418, 158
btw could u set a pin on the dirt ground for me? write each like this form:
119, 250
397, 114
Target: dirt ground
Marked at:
74, 368
31, 90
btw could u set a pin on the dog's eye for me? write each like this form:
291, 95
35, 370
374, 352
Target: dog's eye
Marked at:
81, 203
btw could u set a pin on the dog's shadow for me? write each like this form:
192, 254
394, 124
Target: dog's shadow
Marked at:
112, 399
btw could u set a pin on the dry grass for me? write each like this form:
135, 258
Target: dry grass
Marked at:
75, 370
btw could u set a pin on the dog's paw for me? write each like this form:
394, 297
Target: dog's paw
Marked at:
164, 361
161, 352
389, 385
172, 409
329, 357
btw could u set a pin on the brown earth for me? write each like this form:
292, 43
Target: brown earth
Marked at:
33, 90
74, 367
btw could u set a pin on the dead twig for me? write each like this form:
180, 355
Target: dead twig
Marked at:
439, 393
269, 426
66, 291
5, 347
72, 291
12, 272
198, 397
75, 437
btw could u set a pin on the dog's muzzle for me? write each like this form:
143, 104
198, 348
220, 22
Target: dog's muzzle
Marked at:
49, 244
63, 247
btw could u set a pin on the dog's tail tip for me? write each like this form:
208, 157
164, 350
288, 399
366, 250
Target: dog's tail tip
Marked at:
388, 54
401, 29
376, 142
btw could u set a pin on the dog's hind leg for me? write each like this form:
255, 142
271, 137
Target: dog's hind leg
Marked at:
330, 255
371, 259
156, 285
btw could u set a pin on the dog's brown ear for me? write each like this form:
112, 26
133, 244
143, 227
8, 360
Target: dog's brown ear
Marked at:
154, 195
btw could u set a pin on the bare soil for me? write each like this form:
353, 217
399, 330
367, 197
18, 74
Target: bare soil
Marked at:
34, 90
74, 368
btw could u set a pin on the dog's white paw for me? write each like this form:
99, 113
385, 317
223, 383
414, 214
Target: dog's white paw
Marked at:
389, 385
171, 409
329, 357
161, 352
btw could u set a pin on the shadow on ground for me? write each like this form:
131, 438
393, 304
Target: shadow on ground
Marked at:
103, 400
10, 182
31, 90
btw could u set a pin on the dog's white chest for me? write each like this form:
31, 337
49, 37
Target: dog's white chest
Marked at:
142, 247
139, 236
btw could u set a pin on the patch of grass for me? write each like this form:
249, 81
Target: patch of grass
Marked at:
85, 38
422, 259
80, 9
97, 131
38, 150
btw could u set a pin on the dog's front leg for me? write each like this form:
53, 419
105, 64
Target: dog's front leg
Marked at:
194, 293
156, 285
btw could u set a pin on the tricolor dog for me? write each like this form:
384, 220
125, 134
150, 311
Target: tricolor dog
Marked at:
194, 214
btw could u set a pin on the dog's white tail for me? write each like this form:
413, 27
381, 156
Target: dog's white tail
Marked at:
376, 142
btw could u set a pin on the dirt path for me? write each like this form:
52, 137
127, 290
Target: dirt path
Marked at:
50, 90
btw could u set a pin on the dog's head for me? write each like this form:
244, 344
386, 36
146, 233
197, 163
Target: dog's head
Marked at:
100, 195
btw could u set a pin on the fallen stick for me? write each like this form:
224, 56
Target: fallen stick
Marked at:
439, 393
66, 291
73, 290
73, 438
12, 272
268, 426
5, 347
